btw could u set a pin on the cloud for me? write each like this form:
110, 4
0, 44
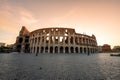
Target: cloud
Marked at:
27, 17
11, 19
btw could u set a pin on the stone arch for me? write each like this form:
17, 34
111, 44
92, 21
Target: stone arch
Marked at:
66, 49
19, 48
76, 40
83, 40
76, 50
37, 49
81, 51
20, 40
26, 48
71, 40
66, 39
56, 49
42, 49
88, 50
84, 50
46, 49
51, 49
72, 50
61, 49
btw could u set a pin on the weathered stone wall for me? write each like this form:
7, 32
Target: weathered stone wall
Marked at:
61, 40
22, 41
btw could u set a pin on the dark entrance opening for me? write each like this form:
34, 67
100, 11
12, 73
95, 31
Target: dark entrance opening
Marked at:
81, 50
88, 51
84, 50
56, 49
37, 49
61, 49
72, 50
76, 49
71, 40
46, 49
18, 48
51, 49
20, 40
26, 48
66, 50
42, 49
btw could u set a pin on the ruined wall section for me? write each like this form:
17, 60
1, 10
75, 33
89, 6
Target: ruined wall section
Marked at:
22, 41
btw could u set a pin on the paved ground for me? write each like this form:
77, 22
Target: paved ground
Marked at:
59, 67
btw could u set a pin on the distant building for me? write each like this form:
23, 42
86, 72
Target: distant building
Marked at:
99, 48
116, 48
106, 48
2, 44
55, 40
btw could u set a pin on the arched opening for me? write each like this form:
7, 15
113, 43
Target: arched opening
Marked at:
81, 50
46, 49
20, 40
37, 49
83, 40
18, 48
76, 40
66, 39
76, 49
26, 48
84, 50
72, 50
51, 49
56, 39
61, 49
71, 40
42, 49
88, 51
26, 39
66, 50
56, 49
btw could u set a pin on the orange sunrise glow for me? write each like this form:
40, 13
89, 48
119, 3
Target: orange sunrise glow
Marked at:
98, 17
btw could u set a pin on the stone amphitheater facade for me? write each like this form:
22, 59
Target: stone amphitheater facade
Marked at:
58, 40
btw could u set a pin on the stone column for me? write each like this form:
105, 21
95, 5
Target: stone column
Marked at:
35, 45
79, 50
69, 44
59, 42
74, 42
74, 39
69, 40
44, 45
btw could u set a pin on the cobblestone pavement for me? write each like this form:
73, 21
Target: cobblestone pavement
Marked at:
100, 66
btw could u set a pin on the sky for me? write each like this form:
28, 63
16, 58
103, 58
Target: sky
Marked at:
98, 17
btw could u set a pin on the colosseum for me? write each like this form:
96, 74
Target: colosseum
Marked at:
55, 40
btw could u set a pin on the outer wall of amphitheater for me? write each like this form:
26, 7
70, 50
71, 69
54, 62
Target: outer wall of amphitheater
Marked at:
61, 40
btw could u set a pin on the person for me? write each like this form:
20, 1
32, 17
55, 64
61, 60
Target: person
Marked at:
36, 54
